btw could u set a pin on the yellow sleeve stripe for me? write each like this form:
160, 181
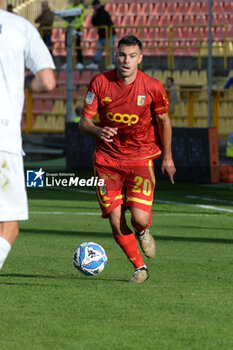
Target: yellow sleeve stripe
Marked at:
160, 108
89, 111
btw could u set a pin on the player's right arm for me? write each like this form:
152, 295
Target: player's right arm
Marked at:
106, 133
90, 108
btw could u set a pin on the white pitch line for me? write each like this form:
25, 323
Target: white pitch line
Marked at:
203, 206
61, 213
211, 207
209, 199
99, 214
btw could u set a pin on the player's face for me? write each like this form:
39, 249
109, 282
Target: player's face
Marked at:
128, 58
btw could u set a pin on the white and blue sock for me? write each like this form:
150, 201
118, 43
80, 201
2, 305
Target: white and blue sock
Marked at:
5, 248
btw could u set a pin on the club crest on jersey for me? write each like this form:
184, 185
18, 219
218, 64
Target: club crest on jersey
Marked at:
89, 97
141, 100
107, 99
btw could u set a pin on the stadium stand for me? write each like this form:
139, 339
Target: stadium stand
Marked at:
174, 29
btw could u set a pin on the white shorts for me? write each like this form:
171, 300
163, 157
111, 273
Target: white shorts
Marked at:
13, 197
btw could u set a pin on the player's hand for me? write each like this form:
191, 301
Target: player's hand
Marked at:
168, 167
107, 133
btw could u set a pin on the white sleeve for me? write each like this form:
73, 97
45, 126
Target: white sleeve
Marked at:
37, 55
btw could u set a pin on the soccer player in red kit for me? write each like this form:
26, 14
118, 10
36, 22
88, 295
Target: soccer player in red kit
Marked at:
134, 129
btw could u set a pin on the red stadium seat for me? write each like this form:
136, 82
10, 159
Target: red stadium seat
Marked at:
90, 34
59, 49
128, 21
176, 19
193, 7
121, 8
58, 35
87, 21
171, 7
218, 7
228, 6
110, 7
117, 20
204, 6
220, 18
76, 77
131, 31
178, 33
230, 32
134, 8
188, 18
162, 34
159, 7
140, 21
153, 20
164, 20
61, 77
85, 78
151, 35
219, 33
200, 19
147, 8
190, 33
182, 7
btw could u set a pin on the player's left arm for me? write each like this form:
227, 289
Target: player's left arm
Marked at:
42, 81
165, 133
39, 61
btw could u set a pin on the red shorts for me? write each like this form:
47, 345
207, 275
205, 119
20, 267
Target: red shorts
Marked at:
129, 183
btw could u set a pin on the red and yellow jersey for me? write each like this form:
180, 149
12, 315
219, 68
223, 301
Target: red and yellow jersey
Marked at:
132, 109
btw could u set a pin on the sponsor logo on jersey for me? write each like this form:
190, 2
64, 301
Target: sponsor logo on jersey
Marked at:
107, 99
123, 118
89, 98
141, 100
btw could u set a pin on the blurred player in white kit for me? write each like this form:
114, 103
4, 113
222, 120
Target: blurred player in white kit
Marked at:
20, 46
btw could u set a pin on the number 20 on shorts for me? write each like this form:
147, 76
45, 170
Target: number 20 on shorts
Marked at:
146, 187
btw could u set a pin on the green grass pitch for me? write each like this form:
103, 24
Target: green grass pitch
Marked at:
46, 304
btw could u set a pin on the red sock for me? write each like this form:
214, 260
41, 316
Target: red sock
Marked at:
139, 228
129, 245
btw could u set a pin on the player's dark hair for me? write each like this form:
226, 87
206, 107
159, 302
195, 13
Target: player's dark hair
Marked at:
172, 80
130, 40
9, 7
95, 2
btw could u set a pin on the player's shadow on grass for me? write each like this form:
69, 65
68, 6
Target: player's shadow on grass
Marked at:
65, 233
109, 235
182, 227
74, 277
194, 239
183, 212
29, 284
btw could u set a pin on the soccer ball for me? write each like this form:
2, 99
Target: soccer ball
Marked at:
90, 258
